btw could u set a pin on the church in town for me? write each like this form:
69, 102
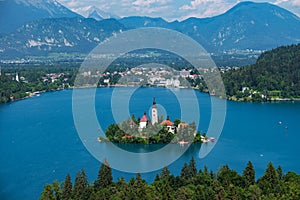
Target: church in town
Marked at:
154, 119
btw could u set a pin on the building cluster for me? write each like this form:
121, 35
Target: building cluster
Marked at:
53, 77
154, 120
154, 76
15, 76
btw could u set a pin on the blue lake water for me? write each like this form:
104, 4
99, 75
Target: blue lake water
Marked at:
39, 142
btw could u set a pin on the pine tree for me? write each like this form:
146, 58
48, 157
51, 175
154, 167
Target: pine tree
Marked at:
81, 183
269, 181
255, 192
249, 174
47, 193
104, 176
167, 191
184, 193
157, 178
67, 188
271, 175
205, 170
279, 172
56, 190
165, 173
212, 174
140, 187
130, 189
193, 168
121, 184
186, 172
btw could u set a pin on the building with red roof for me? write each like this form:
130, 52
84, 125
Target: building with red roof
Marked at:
127, 137
143, 121
169, 125
167, 122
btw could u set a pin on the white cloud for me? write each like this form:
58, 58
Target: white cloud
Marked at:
291, 5
291, 2
170, 9
195, 4
205, 8
147, 3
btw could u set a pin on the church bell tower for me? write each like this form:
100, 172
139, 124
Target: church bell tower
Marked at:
154, 114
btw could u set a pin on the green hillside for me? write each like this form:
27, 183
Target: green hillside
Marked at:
275, 75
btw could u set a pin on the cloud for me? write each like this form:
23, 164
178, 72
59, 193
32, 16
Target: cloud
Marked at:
170, 9
205, 8
290, 2
291, 5
148, 3
195, 4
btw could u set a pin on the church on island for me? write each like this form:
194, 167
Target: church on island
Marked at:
154, 130
154, 120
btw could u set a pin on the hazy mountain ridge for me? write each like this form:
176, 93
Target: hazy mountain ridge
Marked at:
15, 13
258, 26
247, 25
58, 35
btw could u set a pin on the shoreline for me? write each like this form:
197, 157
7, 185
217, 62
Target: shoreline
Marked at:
32, 94
105, 140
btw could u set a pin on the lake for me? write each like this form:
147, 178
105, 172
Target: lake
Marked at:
39, 142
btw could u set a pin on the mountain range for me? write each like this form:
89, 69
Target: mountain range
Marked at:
15, 13
51, 27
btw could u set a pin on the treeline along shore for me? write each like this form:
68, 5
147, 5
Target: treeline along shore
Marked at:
192, 183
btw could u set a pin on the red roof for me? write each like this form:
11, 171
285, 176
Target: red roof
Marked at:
167, 122
182, 125
127, 137
144, 119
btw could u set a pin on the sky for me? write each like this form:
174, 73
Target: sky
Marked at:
169, 9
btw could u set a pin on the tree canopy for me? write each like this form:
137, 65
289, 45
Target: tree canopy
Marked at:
191, 184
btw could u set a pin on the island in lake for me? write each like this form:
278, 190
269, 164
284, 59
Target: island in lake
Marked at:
155, 131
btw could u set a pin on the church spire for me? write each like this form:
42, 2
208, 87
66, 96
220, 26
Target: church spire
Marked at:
17, 77
154, 114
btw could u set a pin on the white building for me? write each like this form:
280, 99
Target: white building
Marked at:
154, 113
143, 121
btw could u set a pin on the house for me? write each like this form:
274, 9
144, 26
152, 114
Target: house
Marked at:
143, 121
170, 125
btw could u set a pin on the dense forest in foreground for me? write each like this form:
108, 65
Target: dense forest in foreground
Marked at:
190, 184
275, 75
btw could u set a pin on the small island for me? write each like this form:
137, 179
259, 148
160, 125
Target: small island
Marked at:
155, 131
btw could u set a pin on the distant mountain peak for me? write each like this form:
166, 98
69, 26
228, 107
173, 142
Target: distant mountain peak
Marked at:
96, 13
249, 6
247, 26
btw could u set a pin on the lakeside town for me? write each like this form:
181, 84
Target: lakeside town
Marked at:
153, 76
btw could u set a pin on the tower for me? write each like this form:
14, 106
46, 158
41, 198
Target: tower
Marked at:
154, 114
17, 77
